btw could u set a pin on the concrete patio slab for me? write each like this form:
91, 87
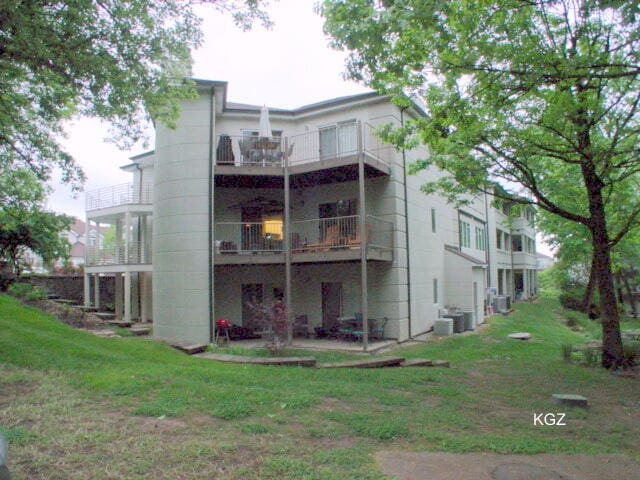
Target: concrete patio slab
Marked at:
492, 466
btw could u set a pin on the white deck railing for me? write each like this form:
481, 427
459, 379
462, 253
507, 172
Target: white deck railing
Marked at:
124, 194
135, 253
339, 141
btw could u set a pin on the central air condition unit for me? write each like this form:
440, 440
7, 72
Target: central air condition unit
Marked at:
469, 323
509, 302
500, 304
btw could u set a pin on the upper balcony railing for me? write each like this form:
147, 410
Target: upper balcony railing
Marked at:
124, 194
134, 253
345, 139
253, 237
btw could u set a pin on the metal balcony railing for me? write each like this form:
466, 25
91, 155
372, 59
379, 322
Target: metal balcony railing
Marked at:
315, 235
324, 234
249, 237
124, 194
337, 141
135, 253
250, 151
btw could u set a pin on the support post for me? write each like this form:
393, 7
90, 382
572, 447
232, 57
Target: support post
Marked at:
96, 290
142, 276
118, 288
127, 237
287, 246
87, 290
127, 297
363, 244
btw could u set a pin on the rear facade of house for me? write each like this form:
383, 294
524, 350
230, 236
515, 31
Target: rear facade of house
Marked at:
321, 214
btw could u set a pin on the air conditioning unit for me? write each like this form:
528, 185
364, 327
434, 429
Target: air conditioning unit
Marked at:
501, 304
469, 321
508, 302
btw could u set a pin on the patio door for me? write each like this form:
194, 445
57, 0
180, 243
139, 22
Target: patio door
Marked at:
252, 293
328, 142
338, 140
251, 228
331, 303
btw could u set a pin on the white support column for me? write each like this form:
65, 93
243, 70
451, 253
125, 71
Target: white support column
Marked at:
96, 290
87, 290
127, 236
127, 297
287, 248
118, 295
364, 307
144, 316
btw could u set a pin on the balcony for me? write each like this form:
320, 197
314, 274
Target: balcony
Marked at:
316, 240
135, 253
332, 147
119, 195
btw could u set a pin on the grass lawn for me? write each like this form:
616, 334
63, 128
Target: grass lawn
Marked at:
75, 406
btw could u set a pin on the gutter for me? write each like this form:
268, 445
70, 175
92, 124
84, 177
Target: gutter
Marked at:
210, 216
406, 228
487, 253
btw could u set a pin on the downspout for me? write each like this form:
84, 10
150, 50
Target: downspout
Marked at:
487, 253
459, 231
406, 227
210, 217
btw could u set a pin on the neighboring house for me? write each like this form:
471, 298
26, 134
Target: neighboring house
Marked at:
216, 201
76, 236
544, 261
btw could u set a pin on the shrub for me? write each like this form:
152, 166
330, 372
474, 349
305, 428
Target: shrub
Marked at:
35, 295
567, 351
20, 290
273, 318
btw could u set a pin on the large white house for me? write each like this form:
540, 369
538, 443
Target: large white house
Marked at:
310, 207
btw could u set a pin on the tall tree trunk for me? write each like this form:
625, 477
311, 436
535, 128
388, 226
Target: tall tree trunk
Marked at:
588, 291
609, 316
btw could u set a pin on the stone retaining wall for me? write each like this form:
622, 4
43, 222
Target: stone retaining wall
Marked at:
72, 287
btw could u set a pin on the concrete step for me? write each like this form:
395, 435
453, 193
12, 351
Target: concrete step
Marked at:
105, 315
120, 323
190, 348
65, 301
85, 308
367, 363
140, 329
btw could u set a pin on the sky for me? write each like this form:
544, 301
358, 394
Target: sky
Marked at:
287, 66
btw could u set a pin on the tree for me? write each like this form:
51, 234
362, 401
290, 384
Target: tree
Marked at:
25, 224
543, 94
122, 61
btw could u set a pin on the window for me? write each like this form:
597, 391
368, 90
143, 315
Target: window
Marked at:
498, 239
465, 234
338, 140
272, 226
516, 243
480, 241
435, 290
507, 241
433, 220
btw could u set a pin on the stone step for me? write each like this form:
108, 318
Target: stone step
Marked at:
367, 363
570, 399
105, 315
53, 296
417, 362
104, 333
279, 361
120, 323
190, 348
65, 301
140, 330
84, 308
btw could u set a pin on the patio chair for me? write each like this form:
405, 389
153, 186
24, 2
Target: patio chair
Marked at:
376, 330
301, 326
331, 239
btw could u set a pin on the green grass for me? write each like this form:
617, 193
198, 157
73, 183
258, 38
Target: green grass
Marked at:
157, 413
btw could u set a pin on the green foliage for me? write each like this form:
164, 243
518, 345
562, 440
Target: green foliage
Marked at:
542, 94
24, 222
124, 62
20, 290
